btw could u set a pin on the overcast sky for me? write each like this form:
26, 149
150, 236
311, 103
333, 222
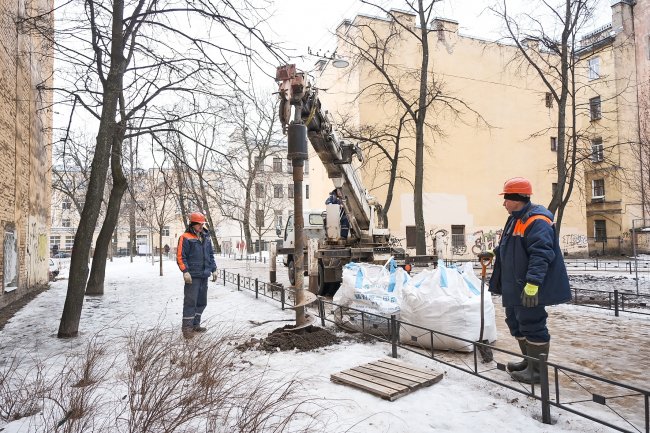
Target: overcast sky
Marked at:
310, 24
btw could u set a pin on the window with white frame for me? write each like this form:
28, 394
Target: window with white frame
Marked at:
290, 190
598, 188
549, 100
69, 242
55, 240
594, 108
278, 218
277, 191
277, 165
165, 231
66, 205
594, 68
259, 163
600, 230
289, 165
306, 166
553, 144
65, 222
259, 190
597, 150
306, 192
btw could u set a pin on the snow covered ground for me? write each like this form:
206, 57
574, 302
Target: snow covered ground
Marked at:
136, 297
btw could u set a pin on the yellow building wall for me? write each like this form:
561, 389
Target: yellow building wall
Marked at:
467, 164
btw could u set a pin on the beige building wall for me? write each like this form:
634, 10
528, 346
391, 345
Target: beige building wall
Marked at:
25, 146
468, 163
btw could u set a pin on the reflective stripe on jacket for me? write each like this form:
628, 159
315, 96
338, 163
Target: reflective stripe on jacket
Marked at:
195, 254
529, 252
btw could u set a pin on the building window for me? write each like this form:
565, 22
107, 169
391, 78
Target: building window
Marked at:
259, 163
65, 222
277, 165
55, 240
277, 191
410, 237
553, 189
598, 188
66, 205
600, 230
553, 144
594, 68
549, 100
290, 191
440, 29
69, 242
165, 231
457, 236
306, 166
289, 165
594, 108
306, 192
597, 150
259, 218
259, 190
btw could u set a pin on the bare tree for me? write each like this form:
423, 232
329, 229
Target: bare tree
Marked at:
380, 51
554, 57
383, 148
158, 208
120, 58
255, 137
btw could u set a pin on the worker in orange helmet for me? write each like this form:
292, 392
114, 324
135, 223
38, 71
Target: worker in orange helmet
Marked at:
195, 258
529, 274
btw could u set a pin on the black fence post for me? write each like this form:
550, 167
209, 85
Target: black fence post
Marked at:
257, 289
616, 303
282, 296
224, 278
321, 311
238, 282
544, 388
393, 335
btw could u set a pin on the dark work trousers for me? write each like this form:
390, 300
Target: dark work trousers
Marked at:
529, 323
196, 298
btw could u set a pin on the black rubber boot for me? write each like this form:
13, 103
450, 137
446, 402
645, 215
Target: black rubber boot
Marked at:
531, 373
521, 365
187, 328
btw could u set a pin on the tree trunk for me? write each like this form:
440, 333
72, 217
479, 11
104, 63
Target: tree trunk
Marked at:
160, 250
69, 324
98, 272
420, 231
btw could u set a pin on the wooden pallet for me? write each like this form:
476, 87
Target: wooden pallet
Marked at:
388, 378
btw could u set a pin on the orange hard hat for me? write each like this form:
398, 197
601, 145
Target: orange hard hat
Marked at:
517, 185
197, 217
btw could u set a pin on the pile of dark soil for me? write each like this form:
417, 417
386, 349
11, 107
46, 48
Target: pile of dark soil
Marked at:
309, 338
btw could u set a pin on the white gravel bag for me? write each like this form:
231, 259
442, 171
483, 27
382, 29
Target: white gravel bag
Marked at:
372, 289
448, 302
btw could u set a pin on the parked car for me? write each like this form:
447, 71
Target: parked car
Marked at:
53, 271
62, 255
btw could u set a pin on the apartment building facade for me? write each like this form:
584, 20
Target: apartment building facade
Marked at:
471, 156
25, 150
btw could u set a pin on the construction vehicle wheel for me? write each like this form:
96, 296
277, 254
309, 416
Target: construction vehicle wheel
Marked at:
291, 266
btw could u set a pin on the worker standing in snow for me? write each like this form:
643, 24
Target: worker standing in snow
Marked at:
195, 258
529, 274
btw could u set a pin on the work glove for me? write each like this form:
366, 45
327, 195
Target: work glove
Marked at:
187, 277
529, 295
214, 276
486, 255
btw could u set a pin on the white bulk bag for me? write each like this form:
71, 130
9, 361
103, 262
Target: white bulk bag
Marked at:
446, 301
372, 289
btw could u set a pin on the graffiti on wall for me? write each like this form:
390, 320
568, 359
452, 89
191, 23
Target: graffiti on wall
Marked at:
484, 241
396, 242
574, 241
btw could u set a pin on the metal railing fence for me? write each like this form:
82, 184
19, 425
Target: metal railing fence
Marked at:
583, 394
